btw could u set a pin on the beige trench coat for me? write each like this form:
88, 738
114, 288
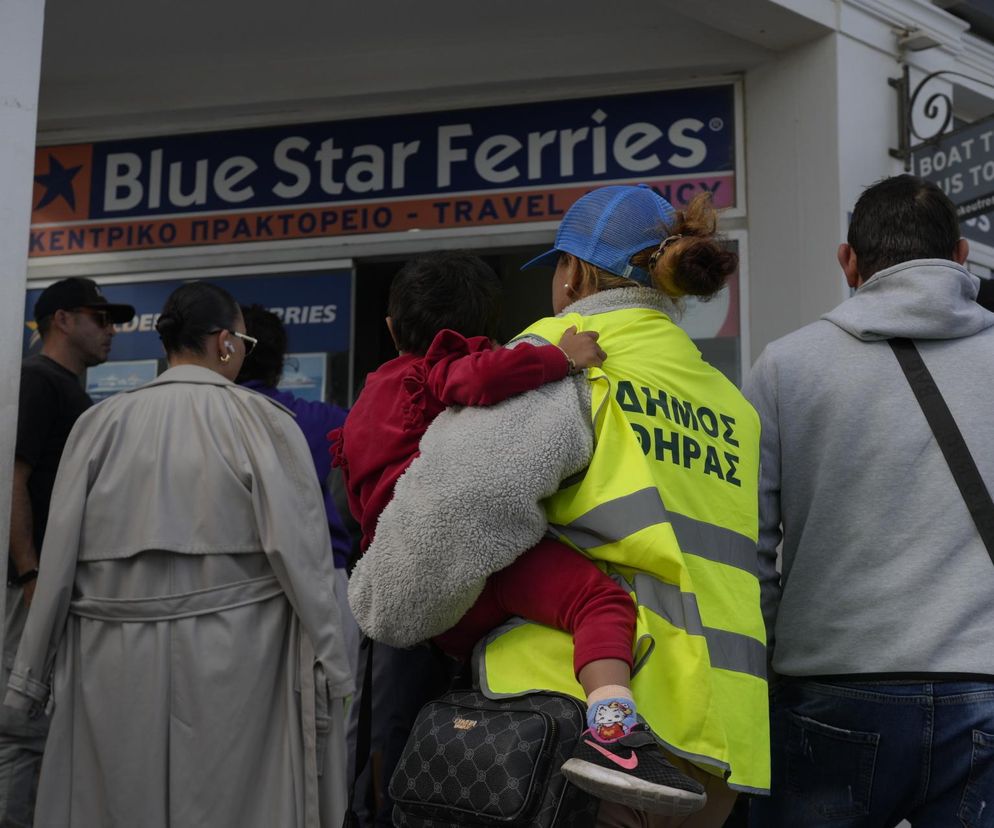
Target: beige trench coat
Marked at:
185, 633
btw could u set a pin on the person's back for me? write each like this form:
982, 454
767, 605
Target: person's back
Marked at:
685, 413
76, 326
885, 614
443, 312
675, 513
262, 372
491, 481
186, 599
878, 546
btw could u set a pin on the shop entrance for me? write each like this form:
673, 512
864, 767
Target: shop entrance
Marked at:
715, 326
527, 297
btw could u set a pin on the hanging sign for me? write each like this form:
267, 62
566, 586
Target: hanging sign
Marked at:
961, 163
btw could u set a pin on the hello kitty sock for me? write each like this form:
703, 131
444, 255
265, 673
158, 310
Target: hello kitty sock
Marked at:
609, 719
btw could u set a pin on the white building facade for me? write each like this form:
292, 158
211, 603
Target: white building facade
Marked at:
301, 152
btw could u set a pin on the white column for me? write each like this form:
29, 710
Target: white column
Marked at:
796, 215
20, 68
820, 121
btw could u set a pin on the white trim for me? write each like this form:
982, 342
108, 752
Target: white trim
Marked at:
188, 273
824, 14
981, 254
904, 14
739, 168
349, 399
976, 59
741, 238
361, 107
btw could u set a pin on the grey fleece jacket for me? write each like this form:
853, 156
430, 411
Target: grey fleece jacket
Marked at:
471, 502
883, 569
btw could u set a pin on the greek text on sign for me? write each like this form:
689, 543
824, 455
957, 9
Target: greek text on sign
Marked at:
475, 167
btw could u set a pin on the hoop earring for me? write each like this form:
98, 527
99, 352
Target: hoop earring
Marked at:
226, 358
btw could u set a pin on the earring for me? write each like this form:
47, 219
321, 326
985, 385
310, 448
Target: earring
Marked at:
569, 287
225, 358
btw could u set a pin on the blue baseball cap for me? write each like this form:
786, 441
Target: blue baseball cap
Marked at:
607, 226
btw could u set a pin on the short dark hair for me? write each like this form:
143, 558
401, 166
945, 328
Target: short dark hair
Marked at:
265, 363
443, 289
902, 218
192, 312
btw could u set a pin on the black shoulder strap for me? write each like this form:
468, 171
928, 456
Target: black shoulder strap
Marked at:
950, 440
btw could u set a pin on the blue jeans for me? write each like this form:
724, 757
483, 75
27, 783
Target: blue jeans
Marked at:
870, 754
22, 739
22, 742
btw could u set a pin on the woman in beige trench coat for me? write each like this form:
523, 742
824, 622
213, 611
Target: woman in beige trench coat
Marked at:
185, 613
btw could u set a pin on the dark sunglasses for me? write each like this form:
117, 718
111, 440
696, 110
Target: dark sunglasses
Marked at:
102, 318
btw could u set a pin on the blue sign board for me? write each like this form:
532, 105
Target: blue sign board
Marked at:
434, 170
315, 308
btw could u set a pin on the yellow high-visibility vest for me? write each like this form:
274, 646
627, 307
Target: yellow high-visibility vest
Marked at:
667, 506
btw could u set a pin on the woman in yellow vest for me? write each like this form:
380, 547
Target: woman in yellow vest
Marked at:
648, 465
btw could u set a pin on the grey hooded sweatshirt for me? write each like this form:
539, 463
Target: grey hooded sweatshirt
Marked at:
883, 568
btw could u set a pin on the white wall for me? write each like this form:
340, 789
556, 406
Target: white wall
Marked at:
820, 121
793, 146
867, 118
20, 61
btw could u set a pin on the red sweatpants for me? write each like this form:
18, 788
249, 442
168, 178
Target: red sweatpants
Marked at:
557, 586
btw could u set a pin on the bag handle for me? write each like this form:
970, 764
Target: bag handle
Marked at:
950, 439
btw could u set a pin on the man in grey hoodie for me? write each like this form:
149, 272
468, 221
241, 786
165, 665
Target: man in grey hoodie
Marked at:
881, 625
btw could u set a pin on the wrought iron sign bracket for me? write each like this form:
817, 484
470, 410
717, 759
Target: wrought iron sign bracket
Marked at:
937, 108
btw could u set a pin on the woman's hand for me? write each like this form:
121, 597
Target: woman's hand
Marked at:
581, 349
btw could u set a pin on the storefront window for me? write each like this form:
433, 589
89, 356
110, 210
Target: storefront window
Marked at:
315, 306
715, 326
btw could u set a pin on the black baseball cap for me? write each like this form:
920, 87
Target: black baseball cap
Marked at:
72, 293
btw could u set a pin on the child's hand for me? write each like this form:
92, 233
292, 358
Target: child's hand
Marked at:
581, 349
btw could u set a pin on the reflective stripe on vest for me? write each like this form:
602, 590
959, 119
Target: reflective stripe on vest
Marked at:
728, 650
610, 522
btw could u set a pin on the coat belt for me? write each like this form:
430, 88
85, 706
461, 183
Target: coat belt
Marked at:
184, 605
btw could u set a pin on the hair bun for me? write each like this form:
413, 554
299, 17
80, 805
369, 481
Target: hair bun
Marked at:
168, 322
704, 268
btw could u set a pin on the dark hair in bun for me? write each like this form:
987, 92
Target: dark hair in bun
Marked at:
693, 261
192, 312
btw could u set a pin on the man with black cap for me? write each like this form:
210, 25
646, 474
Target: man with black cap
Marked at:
76, 324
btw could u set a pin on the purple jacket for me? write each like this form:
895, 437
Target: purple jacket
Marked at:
316, 419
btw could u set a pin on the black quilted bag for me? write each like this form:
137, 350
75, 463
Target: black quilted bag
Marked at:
471, 760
